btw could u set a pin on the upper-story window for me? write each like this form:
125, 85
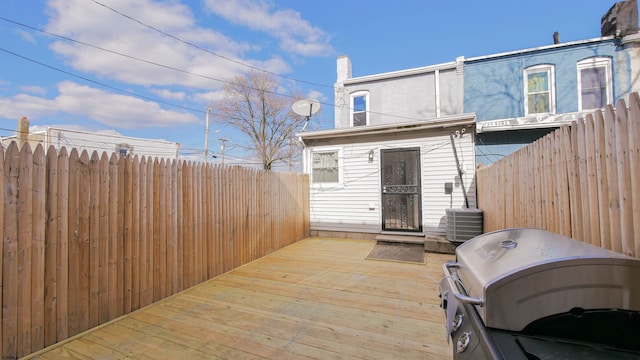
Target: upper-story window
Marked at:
539, 90
359, 108
595, 89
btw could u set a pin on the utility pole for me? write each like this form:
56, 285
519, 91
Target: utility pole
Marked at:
290, 153
222, 141
206, 135
23, 131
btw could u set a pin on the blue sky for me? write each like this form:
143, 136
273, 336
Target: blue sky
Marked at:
175, 55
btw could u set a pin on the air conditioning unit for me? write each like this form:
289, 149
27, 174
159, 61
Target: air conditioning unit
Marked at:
464, 224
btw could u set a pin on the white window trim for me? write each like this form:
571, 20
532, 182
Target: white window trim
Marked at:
552, 87
340, 166
352, 107
598, 61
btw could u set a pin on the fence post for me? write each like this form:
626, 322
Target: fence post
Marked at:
87, 239
634, 161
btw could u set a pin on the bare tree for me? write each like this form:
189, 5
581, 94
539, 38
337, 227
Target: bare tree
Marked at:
253, 105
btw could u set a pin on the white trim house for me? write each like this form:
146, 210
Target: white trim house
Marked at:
99, 142
401, 153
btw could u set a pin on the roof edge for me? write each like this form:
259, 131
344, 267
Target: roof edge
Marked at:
539, 48
400, 73
427, 124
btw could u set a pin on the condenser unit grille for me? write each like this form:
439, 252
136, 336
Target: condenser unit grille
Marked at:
464, 224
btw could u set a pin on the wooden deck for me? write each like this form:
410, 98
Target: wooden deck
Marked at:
316, 299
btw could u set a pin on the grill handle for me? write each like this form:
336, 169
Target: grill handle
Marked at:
454, 287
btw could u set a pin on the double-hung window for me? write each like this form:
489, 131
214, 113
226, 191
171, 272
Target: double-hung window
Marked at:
539, 90
359, 108
595, 89
325, 166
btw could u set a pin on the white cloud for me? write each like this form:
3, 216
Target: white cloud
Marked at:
25, 105
317, 95
74, 127
112, 110
26, 36
275, 64
208, 97
170, 95
296, 35
97, 25
37, 90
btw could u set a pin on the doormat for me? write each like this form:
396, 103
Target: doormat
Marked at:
400, 252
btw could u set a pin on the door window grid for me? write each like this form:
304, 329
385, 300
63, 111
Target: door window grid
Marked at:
401, 192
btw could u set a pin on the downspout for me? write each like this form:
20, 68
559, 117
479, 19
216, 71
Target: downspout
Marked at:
455, 154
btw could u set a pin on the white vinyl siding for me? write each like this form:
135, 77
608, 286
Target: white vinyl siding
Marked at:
345, 206
439, 167
355, 204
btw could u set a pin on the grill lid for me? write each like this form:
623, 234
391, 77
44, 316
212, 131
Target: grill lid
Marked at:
516, 276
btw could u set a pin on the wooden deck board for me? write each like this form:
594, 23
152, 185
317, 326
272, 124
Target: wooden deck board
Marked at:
316, 299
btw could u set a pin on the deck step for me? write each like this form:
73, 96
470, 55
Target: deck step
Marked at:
433, 243
439, 244
402, 239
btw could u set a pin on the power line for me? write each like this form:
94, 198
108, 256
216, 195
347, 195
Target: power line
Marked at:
113, 51
206, 50
133, 58
100, 83
237, 61
166, 67
70, 143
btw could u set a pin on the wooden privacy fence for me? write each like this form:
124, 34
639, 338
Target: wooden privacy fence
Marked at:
88, 239
581, 181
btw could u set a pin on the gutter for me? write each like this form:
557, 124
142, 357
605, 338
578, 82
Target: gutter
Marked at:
384, 129
540, 48
531, 122
630, 39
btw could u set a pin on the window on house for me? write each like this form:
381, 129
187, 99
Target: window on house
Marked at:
595, 89
359, 108
325, 167
538, 89
124, 149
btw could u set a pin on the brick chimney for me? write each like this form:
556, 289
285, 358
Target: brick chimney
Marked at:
621, 19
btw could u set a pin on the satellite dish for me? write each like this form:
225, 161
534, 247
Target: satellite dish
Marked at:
306, 107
